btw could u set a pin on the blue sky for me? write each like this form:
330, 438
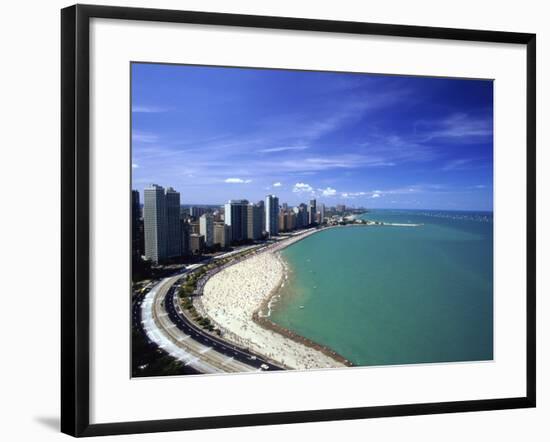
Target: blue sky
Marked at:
376, 141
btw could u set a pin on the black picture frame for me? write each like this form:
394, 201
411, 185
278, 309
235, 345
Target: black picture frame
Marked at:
75, 213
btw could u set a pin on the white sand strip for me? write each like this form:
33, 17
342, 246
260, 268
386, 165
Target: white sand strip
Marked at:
233, 295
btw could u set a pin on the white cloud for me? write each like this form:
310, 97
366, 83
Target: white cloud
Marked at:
277, 184
376, 195
134, 166
282, 149
459, 164
148, 109
329, 191
461, 125
302, 187
320, 164
353, 194
144, 137
237, 181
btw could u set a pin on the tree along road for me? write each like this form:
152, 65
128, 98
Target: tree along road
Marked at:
222, 346
166, 326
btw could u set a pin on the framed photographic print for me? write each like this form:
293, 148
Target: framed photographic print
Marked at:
253, 206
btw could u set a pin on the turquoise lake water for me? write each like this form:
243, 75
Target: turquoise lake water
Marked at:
382, 295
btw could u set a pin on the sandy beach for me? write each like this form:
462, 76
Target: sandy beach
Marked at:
233, 297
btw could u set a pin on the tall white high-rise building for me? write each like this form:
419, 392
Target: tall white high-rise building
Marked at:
206, 226
154, 219
162, 225
272, 215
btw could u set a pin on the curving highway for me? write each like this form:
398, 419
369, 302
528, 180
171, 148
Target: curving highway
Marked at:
220, 345
165, 324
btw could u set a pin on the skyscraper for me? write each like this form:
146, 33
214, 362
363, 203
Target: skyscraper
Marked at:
321, 213
222, 235
206, 229
185, 240
136, 227
290, 220
282, 221
272, 215
173, 226
303, 215
154, 218
287, 220
312, 211
297, 214
255, 216
236, 216
262, 205
162, 224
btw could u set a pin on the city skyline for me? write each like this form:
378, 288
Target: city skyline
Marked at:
162, 231
217, 134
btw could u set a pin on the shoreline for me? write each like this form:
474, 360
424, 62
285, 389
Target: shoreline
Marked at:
267, 323
234, 297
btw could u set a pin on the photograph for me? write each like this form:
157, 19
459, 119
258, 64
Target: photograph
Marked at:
306, 220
